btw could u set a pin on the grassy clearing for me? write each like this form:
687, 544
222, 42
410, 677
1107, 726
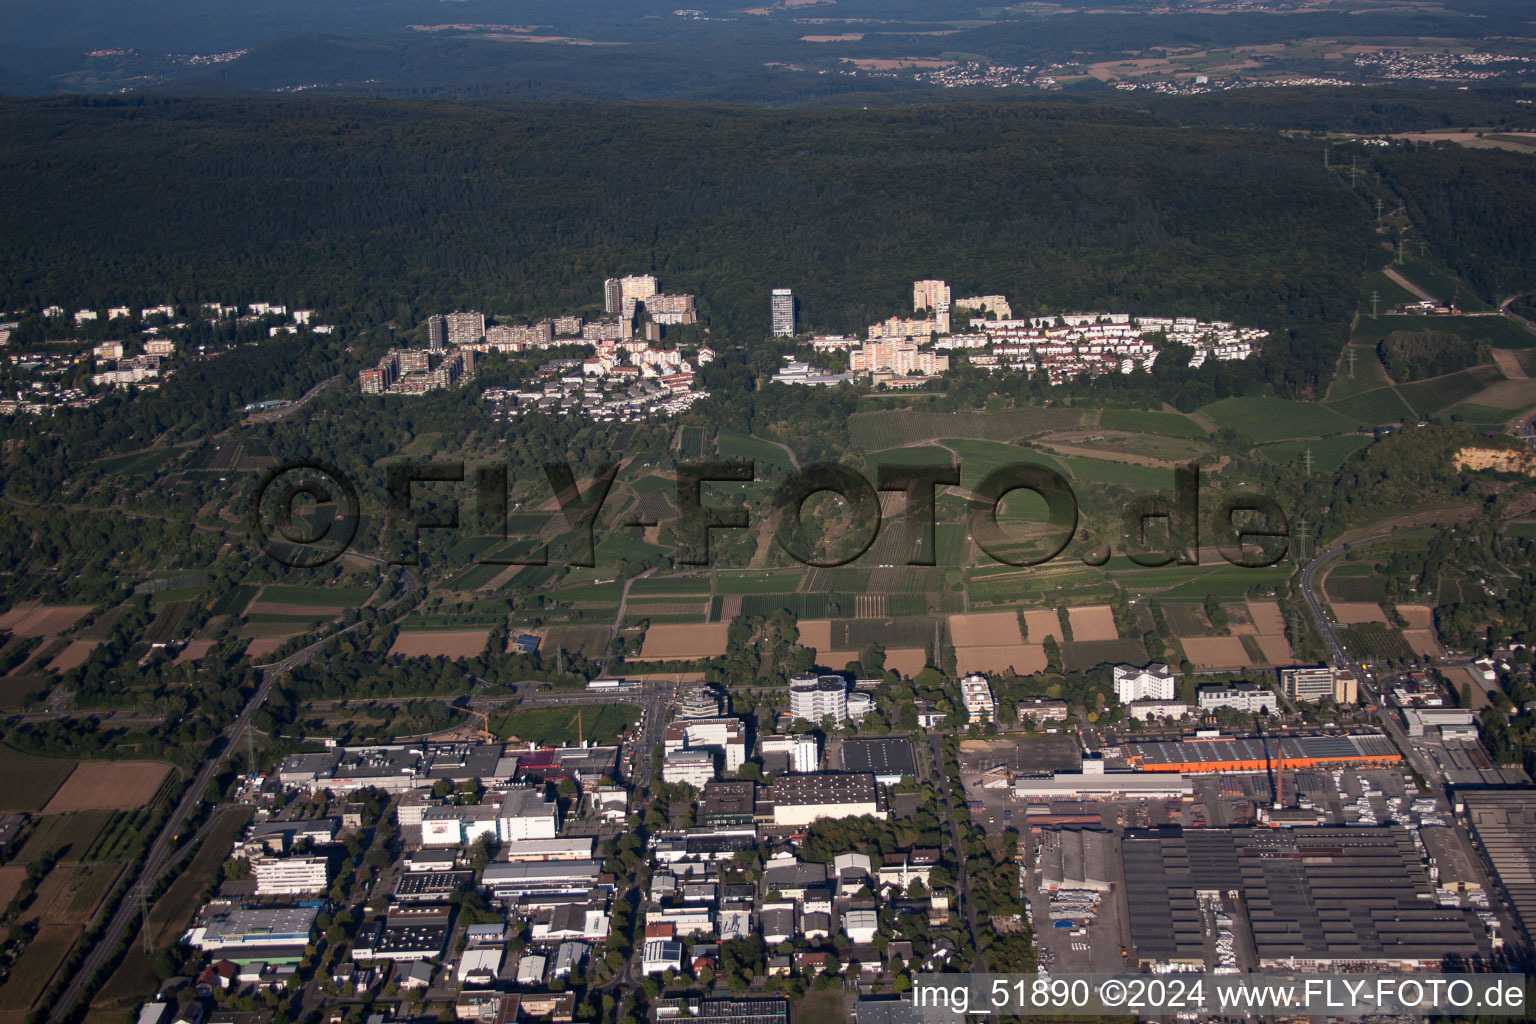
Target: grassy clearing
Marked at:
1371, 408
319, 597
1277, 419
743, 446
1497, 331
1328, 453
30, 781
599, 724
1170, 424
1428, 396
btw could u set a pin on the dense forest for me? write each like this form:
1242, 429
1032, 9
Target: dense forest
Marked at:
1474, 206
1416, 355
375, 211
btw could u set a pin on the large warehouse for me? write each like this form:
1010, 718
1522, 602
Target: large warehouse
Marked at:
1310, 898
1257, 754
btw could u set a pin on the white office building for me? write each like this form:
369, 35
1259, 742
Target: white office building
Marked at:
813, 698
723, 736
525, 814
1155, 682
800, 752
694, 767
976, 693
782, 309
1239, 697
290, 876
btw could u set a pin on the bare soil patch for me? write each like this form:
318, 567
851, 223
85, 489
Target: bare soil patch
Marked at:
1041, 623
1277, 650
1423, 642
108, 786
1209, 652
72, 656
1350, 613
43, 620
1418, 616
684, 641
453, 643
1092, 622
984, 629
1023, 659
816, 633
1267, 617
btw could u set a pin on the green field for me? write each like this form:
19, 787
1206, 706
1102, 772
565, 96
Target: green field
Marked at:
1171, 424
1142, 479
600, 723
874, 431
1372, 408
30, 781
1427, 396
1442, 284
758, 581
1389, 293
1328, 453
741, 446
666, 586
1277, 419
1496, 330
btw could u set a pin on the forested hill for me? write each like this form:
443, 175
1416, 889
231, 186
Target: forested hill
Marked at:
372, 210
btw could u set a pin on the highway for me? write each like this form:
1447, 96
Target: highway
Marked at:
156, 859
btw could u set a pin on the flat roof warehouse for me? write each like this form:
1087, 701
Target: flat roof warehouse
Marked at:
1254, 754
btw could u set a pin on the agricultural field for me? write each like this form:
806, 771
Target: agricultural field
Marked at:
1428, 396
104, 785
1216, 652
601, 723
1496, 330
1079, 656
874, 431
1092, 623
984, 629
767, 456
30, 975
1375, 641
315, 597
1442, 284
1040, 623
1353, 613
66, 836
684, 642
30, 781
1355, 581
1020, 659
1186, 618
1277, 419
453, 644
32, 620
1171, 424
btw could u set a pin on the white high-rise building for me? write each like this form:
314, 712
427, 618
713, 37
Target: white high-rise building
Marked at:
1155, 682
782, 307
815, 697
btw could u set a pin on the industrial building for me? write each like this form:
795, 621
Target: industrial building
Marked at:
888, 759
724, 737
791, 753
1101, 786
1077, 858
507, 881
276, 935
1503, 821
1423, 721
728, 803
1257, 754
1311, 898
802, 799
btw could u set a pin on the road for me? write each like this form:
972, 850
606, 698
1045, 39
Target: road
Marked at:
1340, 658
963, 903
156, 859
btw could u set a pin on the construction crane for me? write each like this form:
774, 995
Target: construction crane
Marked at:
580, 733
486, 736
